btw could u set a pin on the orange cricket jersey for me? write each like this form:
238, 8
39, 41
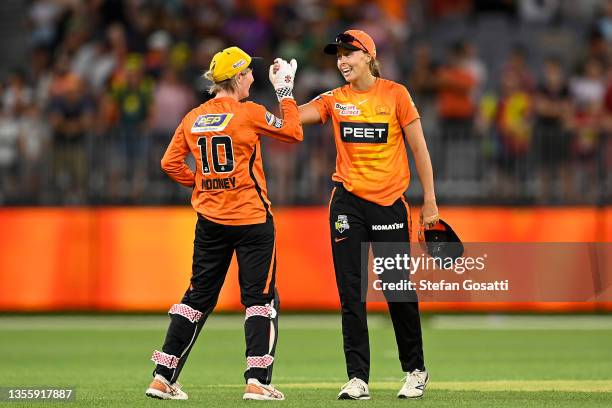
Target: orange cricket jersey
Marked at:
229, 185
371, 161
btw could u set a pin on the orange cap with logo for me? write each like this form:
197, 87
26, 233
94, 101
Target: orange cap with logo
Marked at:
352, 40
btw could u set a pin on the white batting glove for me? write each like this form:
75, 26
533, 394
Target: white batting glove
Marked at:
282, 76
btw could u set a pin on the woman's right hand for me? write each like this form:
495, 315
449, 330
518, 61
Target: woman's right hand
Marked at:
282, 76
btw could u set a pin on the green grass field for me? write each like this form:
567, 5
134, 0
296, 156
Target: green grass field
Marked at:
484, 361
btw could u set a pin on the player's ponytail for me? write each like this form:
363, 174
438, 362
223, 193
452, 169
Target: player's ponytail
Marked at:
374, 67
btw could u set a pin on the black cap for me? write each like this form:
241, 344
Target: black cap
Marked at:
332, 48
442, 242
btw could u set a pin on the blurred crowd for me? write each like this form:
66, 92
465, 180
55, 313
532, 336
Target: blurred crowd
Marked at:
515, 96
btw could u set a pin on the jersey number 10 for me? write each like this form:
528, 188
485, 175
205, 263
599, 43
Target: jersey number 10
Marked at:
228, 163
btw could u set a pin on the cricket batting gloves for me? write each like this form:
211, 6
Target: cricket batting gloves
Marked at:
282, 78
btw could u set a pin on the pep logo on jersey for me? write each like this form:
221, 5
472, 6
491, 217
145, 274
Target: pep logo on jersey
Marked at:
213, 122
356, 132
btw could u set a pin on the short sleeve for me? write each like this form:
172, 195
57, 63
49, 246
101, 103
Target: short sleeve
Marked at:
405, 108
322, 104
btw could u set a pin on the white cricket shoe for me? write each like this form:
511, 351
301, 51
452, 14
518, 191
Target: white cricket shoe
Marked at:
355, 389
261, 392
414, 386
160, 388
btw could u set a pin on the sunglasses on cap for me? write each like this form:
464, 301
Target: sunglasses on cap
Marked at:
345, 38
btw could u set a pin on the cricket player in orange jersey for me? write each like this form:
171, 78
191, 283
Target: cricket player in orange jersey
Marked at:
372, 117
234, 215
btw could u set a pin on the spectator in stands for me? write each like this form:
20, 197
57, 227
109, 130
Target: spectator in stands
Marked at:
474, 64
455, 85
34, 147
597, 48
516, 66
422, 85
588, 144
422, 78
588, 86
43, 18
94, 40
71, 114
512, 134
588, 92
17, 94
40, 72
9, 155
118, 44
132, 97
158, 56
552, 111
95, 63
606, 151
61, 77
171, 102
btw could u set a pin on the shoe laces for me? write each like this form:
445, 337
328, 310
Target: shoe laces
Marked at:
175, 388
414, 378
354, 382
271, 389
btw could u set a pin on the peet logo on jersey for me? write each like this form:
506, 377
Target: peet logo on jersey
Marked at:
213, 122
347, 109
388, 227
356, 132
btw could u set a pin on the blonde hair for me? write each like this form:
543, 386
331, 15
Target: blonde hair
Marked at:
229, 85
374, 67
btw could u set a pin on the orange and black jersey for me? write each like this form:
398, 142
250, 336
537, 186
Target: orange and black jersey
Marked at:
229, 185
371, 161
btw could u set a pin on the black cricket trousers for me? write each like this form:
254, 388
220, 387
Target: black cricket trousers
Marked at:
214, 246
354, 220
